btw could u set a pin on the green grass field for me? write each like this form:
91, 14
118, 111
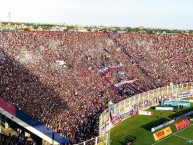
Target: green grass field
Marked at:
140, 127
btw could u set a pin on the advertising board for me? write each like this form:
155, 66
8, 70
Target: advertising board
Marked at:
140, 112
162, 133
164, 108
184, 115
175, 104
162, 125
182, 124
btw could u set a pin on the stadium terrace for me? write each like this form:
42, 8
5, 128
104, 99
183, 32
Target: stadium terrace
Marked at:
57, 79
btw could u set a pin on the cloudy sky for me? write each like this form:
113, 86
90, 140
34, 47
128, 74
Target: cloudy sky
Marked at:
175, 14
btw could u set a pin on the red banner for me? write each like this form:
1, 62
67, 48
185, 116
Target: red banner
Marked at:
181, 124
7, 106
187, 122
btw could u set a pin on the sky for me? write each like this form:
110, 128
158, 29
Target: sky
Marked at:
171, 14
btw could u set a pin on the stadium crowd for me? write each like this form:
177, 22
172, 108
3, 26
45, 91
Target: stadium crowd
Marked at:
13, 140
54, 76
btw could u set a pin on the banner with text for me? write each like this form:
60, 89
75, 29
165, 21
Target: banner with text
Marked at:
182, 124
162, 133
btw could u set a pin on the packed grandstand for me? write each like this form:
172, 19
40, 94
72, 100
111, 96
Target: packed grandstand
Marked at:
66, 79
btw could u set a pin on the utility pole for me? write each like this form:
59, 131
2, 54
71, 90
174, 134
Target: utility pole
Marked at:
9, 16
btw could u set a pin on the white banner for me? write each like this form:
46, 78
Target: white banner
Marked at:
162, 125
184, 94
164, 108
145, 112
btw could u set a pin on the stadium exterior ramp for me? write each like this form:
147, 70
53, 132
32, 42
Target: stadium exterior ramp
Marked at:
31, 124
